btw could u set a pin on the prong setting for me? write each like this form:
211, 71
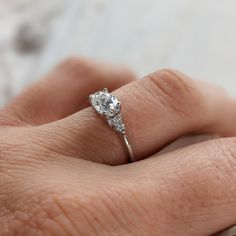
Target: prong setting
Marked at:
108, 106
105, 90
118, 105
90, 97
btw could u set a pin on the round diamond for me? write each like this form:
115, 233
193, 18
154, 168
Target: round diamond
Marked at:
105, 103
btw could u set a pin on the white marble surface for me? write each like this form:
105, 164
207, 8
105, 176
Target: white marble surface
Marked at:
196, 37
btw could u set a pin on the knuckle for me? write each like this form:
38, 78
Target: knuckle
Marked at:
74, 68
72, 61
218, 175
176, 91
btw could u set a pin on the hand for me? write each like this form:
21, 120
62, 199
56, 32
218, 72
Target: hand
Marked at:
63, 172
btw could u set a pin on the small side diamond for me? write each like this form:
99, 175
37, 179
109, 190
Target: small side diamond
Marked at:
116, 123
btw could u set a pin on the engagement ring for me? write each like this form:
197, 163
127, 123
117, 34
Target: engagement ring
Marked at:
109, 108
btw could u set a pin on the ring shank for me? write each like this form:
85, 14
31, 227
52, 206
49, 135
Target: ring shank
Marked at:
128, 147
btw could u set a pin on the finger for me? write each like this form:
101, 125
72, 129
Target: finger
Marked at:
192, 190
63, 91
156, 110
186, 141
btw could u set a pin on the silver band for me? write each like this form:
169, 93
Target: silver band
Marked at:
129, 148
109, 108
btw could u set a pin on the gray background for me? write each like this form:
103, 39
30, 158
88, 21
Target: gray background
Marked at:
196, 37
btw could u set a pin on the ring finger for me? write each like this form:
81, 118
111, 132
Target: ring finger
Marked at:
156, 110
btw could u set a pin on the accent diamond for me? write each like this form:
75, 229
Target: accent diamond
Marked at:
116, 123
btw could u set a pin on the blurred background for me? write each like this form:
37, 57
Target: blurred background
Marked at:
196, 37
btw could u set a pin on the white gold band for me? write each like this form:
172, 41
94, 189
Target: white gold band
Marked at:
129, 148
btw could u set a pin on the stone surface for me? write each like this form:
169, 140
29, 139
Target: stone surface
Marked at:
105, 103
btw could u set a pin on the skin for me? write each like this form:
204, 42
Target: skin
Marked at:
63, 172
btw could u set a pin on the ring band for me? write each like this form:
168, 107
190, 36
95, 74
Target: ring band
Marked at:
109, 108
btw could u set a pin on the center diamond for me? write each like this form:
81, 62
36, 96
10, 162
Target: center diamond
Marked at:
105, 103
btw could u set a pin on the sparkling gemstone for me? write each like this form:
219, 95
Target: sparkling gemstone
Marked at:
105, 103
116, 123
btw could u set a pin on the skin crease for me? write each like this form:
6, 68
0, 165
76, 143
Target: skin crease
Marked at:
63, 172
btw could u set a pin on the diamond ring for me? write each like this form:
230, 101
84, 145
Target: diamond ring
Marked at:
109, 108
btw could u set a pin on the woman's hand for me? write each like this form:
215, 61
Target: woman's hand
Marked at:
60, 166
